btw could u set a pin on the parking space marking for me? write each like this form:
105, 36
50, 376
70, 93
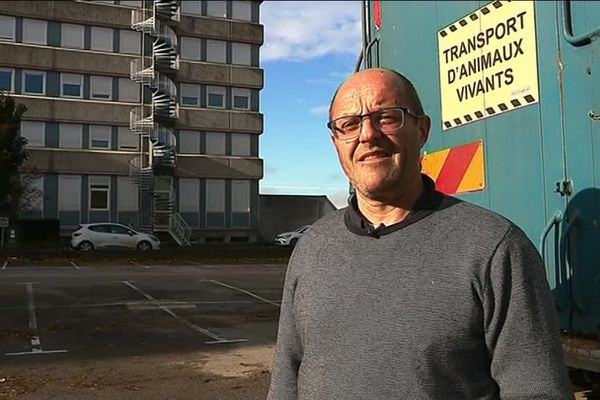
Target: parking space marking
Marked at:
36, 344
5, 264
243, 291
138, 264
73, 264
217, 339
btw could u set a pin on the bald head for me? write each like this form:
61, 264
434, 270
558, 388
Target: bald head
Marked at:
400, 84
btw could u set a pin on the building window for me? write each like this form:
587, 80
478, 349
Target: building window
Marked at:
189, 195
34, 132
190, 48
71, 35
216, 8
129, 91
240, 144
189, 142
7, 79
190, 94
128, 140
34, 82
215, 143
69, 192
191, 7
127, 194
35, 199
241, 98
241, 54
215, 51
100, 136
215, 196
70, 136
35, 31
102, 39
240, 196
131, 3
215, 96
241, 10
129, 42
101, 87
7, 28
99, 191
70, 85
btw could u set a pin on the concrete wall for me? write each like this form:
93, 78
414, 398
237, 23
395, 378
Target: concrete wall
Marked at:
282, 213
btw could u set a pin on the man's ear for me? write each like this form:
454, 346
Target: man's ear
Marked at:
424, 128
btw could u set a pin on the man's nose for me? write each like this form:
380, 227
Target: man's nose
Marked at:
368, 130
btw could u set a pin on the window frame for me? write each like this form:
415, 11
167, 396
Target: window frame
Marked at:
188, 39
24, 81
124, 186
235, 52
233, 10
13, 38
43, 141
186, 146
123, 146
91, 139
100, 29
129, 32
233, 96
235, 137
62, 83
208, 93
222, 143
64, 25
62, 195
129, 81
219, 15
198, 5
41, 22
100, 187
97, 77
60, 136
208, 51
12, 78
182, 87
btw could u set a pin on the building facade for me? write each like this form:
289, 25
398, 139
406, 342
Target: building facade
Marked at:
140, 112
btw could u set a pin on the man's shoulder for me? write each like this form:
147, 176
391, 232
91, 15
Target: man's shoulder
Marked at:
328, 223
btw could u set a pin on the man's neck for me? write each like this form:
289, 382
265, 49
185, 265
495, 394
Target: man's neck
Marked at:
393, 210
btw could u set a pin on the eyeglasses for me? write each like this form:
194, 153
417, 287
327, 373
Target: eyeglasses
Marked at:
387, 120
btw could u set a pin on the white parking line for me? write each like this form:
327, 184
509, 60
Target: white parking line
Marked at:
138, 264
5, 264
75, 265
36, 344
206, 332
244, 291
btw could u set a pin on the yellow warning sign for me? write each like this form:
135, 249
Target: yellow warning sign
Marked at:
488, 62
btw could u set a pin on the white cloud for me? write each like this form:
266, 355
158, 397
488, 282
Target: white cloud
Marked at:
301, 30
320, 110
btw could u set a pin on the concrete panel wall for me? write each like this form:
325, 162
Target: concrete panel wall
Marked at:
69, 11
220, 120
59, 161
200, 72
219, 167
91, 112
284, 213
237, 31
64, 60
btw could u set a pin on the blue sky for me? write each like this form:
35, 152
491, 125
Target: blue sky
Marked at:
310, 48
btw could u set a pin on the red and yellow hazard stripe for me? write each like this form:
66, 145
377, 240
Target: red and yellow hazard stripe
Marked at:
456, 170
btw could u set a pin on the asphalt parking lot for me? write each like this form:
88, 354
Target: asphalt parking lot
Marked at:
137, 329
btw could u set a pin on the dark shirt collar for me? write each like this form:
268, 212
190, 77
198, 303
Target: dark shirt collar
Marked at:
427, 203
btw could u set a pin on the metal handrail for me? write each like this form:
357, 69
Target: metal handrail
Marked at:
556, 219
579, 40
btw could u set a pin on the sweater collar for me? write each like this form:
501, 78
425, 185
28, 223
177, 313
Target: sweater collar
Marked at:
427, 203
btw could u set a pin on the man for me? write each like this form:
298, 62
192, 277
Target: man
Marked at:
407, 293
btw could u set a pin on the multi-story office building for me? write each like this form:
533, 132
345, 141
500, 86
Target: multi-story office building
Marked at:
140, 112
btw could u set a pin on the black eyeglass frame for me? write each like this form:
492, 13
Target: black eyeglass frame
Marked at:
334, 129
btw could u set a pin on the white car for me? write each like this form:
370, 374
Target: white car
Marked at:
108, 235
290, 238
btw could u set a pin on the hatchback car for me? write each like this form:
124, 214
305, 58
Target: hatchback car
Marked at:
107, 235
290, 238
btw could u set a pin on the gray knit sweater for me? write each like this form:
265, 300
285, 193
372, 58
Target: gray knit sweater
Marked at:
453, 305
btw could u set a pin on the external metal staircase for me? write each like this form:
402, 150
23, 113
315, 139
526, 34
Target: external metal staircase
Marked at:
152, 170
